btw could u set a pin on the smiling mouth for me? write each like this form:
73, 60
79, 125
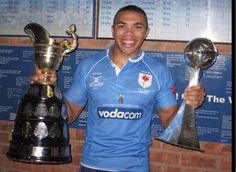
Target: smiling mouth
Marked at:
128, 43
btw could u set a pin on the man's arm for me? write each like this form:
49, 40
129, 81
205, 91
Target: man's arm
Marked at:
167, 114
193, 96
73, 110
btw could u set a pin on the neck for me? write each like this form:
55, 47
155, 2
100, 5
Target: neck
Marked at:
119, 58
120, 61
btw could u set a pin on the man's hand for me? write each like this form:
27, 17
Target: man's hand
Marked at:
39, 74
194, 95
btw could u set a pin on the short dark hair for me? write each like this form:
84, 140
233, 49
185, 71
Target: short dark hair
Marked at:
131, 8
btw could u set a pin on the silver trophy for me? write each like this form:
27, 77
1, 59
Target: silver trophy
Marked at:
40, 133
200, 54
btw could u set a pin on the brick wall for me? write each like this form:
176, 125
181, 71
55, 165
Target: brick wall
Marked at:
164, 157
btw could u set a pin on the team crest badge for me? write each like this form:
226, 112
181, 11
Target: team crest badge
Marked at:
145, 80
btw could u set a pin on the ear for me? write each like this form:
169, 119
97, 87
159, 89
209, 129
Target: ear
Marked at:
147, 32
112, 31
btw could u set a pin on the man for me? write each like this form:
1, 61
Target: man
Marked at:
122, 87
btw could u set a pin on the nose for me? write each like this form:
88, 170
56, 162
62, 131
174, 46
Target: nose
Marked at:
129, 31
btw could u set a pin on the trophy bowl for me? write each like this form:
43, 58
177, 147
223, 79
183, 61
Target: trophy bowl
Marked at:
48, 57
200, 53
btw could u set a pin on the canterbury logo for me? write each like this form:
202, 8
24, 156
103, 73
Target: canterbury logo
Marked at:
119, 113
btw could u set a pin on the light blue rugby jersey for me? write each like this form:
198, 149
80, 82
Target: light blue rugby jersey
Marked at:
118, 131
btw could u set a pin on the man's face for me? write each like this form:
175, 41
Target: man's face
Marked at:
129, 31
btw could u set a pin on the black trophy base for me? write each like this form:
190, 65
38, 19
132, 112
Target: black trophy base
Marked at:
41, 133
38, 154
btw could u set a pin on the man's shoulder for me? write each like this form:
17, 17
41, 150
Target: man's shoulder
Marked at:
88, 62
100, 54
153, 62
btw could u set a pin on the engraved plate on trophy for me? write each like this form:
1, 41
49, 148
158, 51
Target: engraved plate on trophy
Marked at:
26, 129
54, 111
41, 130
54, 131
41, 110
34, 90
40, 124
27, 110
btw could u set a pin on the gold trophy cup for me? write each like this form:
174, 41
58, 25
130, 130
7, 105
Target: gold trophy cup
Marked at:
40, 133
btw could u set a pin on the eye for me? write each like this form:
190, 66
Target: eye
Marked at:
120, 26
139, 27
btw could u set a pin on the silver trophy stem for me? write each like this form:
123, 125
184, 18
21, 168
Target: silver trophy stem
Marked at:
182, 129
194, 76
188, 135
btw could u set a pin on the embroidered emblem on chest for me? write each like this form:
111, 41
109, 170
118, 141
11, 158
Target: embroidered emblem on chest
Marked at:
145, 80
96, 80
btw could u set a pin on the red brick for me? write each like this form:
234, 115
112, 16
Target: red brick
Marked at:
171, 169
165, 157
167, 146
190, 170
199, 160
10, 164
155, 167
211, 148
3, 149
226, 164
10, 170
6, 126
59, 168
226, 149
5, 137
156, 144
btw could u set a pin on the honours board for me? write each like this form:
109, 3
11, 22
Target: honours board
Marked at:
181, 20
56, 16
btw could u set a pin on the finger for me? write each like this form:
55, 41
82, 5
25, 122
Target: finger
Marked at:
196, 100
195, 92
38, 71
33, 79
53, 74
196, 88
194, 103
194, 96
53, 78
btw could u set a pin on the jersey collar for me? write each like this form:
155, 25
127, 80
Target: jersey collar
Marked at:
133, 59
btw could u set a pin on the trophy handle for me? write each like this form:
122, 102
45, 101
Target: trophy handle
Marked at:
38, 34
68, 46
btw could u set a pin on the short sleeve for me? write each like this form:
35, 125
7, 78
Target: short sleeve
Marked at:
166, 96
77, 93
